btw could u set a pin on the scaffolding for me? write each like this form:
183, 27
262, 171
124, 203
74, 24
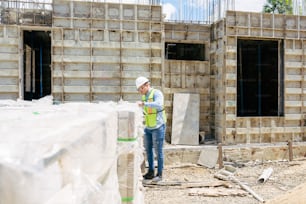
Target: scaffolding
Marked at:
210, 11
39, 12
26, 12
202, 11
191, 11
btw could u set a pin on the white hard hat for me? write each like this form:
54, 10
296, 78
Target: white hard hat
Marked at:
141, 81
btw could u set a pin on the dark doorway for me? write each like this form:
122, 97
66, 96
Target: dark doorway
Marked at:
36, 63
259, 78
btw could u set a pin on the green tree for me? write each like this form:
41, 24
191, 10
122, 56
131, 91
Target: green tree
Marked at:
278, 6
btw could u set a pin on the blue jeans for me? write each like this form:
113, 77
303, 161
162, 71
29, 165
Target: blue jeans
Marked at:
154, 138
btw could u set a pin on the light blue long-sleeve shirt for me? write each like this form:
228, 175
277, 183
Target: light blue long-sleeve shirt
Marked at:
158, 104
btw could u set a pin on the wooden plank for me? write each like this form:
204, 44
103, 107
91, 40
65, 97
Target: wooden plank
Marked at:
216, 192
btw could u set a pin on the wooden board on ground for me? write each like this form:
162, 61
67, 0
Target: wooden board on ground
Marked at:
188, 184
216, 192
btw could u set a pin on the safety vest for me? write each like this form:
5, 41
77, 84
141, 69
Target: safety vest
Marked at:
151, 113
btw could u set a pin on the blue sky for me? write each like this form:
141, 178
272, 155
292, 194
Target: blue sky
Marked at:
171, 7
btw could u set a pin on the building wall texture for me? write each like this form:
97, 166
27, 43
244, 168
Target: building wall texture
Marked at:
98, 50
232, 129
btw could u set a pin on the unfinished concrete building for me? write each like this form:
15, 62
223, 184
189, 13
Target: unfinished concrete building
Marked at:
249, 69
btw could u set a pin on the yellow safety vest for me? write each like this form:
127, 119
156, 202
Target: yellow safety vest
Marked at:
151, 113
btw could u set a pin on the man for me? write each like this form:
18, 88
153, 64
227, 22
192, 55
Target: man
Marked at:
155, 125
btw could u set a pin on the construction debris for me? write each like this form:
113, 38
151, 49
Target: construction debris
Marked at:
186, 184
247, 188
208, 161
225, 174
216, 192
285, 177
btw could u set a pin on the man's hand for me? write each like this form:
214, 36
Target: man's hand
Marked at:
140, 103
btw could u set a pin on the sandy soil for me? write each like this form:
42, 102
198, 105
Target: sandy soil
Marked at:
197, 184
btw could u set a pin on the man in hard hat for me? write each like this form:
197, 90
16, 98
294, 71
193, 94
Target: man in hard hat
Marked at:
155, 126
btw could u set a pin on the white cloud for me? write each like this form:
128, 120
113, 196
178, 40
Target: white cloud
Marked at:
196, 3
169, 10
249, 5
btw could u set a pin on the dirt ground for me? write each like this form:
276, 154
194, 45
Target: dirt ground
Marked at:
196, 184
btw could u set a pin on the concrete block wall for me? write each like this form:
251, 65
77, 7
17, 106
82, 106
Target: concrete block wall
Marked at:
218, 86
9, 62
100, 48
231, 129
182, 76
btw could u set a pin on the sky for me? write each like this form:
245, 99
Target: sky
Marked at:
171, 7
249, 5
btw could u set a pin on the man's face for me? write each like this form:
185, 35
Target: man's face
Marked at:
144, 88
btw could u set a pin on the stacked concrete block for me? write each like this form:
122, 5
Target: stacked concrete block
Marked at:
129, 156
65, 154
127, 177
126, 126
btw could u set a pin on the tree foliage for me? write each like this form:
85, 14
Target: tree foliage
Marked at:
278, 6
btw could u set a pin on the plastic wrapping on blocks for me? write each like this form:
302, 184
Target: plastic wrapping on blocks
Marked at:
63, 154
130, 153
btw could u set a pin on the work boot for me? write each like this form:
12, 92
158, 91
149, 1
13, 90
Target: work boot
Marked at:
149, 175
157, 178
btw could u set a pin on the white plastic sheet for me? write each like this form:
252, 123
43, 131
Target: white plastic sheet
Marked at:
64, 153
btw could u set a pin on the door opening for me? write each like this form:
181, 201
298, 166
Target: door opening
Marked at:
260, 78
36, 64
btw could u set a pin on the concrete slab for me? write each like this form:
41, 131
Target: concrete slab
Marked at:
185, 120
209, 157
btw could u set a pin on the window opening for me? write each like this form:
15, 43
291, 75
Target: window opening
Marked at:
183, 51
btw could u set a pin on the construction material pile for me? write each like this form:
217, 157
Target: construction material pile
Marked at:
74, 153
